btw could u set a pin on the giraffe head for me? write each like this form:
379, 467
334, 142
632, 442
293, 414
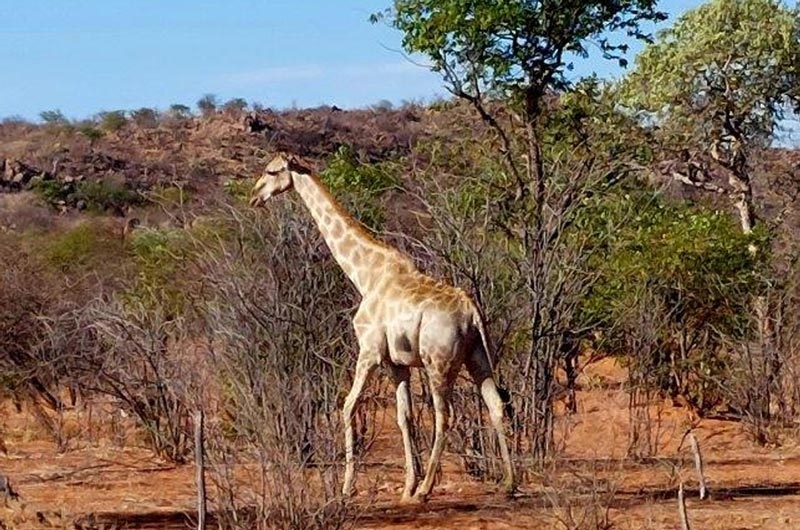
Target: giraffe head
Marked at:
278, 177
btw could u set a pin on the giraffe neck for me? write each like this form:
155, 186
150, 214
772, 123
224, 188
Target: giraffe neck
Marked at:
362, 257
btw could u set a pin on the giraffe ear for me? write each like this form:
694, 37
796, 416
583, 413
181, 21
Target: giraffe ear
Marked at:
278, 163
298, 165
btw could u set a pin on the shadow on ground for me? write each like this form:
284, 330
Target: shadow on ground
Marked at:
489, 505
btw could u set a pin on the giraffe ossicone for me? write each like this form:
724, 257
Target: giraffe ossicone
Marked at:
405, 320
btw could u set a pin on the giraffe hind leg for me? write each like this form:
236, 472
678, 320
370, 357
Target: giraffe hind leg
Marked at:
479, 369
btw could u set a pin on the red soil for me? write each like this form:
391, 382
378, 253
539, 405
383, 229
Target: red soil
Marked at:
751, 487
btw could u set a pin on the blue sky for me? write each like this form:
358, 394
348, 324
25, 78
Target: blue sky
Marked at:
87, 56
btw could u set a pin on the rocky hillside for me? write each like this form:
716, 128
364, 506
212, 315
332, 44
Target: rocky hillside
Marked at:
110, 163
91, 166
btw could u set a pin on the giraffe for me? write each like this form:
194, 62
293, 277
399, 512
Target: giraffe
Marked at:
405, 320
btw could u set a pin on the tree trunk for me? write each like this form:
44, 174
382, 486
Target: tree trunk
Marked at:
542, 403
742, 194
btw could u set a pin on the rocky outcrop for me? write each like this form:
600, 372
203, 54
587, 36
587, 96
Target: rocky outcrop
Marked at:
94, 180
17, 175
252, 123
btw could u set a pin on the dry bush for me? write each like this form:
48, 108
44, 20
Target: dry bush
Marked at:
478, 265
528, 279
136, 360
480, 269
31, 369
785, 334
643, 331
74, 335
582, 500
20, 304
22, 211
761, 381
45, 281
275, 309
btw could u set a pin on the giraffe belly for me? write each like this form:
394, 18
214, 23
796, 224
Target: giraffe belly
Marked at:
403, 349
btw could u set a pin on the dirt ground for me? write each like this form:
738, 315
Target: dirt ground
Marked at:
102, 485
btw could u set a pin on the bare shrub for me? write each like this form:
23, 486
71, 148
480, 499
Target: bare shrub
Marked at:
644, 326
279, 348
43, 343
529, 278
582, 500
457, 248
785, 334
21, 211
136, 361
27, 299
760, 384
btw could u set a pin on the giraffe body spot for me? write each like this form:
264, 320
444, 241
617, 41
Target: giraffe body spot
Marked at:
337, 229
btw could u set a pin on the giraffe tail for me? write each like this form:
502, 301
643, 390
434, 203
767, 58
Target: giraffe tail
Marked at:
480, 324
486, 341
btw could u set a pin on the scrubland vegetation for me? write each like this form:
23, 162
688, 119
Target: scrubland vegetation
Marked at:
651, 220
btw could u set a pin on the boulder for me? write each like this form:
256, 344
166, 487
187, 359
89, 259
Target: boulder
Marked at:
16, 175
254, 124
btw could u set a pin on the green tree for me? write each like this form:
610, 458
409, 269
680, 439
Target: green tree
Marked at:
145, 117
112, 121
91, 133
207, 104
53, 117
519, 48
235, 105
512, 56
716, 84
692, 263
718, 81
179, 111
360, 186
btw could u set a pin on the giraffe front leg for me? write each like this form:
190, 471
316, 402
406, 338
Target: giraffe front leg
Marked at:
441, 408
401, 375
364, 367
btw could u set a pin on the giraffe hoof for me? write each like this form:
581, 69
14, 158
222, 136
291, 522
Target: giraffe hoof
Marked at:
407, 496
407, 499
509, 489
419, 498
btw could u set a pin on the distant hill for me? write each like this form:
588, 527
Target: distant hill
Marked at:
105, 164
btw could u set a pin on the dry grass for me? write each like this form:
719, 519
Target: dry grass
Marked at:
751, 487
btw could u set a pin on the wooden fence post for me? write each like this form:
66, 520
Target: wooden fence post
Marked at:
199, 452
698, 466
